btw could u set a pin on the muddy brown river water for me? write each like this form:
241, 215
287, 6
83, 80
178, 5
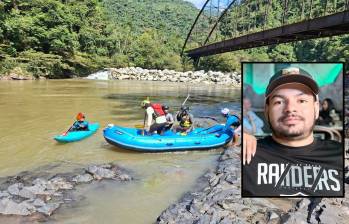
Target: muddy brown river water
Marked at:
32, 112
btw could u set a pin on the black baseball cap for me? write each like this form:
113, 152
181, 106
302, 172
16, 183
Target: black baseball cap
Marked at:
291, 75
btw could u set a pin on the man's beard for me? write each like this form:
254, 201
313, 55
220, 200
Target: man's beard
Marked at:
287, 133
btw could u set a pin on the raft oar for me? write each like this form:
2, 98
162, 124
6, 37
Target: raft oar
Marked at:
206, 129
145, 115
186, 99
208, 117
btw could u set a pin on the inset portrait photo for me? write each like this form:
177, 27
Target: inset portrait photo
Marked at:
295, 113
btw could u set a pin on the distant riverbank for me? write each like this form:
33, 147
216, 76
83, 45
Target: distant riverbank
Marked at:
136, 73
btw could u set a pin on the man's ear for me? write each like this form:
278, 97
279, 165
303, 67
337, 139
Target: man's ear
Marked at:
317, 109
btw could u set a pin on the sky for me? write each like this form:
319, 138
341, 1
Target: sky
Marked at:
197, 3
200, 3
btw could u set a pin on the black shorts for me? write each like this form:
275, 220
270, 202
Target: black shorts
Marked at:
157, 127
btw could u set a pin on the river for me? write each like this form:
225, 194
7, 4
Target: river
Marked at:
32, 112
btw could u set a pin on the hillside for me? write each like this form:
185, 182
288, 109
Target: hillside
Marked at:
59, 38
170, 17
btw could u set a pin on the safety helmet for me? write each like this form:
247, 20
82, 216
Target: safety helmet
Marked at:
80, 116
145, 102
165, 107
225, 111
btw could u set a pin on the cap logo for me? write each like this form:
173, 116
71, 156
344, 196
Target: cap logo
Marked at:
290, 71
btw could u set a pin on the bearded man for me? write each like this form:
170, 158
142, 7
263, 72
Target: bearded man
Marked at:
291, 162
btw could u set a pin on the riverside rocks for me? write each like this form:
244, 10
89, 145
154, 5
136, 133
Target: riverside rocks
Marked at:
18, 73
27, 195
136, 73
218, 200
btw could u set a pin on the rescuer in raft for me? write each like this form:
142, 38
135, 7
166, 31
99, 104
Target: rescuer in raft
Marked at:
169, 118
233, 121
185, 120
153, 112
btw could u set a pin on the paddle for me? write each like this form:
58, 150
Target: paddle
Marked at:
186, 99
205, 129
208, 117
217, 130
66, 132
139, 126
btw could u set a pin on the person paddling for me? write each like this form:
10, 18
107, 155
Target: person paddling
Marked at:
185, 120
80, 124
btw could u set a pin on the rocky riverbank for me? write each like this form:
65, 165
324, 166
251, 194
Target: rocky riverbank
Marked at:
218, 200
136, 73
34, 197
18, 74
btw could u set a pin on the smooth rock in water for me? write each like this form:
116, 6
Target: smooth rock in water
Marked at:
60, 183
25, 193
214, 180
40, 181
9, 207
231, 179
205, 219
272, 216
4, 194
99, 172
125, 177
48, 209
39, 203
36, 189
84, 178
303, 203
226, 220
15, 188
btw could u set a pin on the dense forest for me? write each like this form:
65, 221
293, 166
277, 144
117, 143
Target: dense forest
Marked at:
63, 38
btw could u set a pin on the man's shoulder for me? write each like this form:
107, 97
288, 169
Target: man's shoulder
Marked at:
328, 142
329, 145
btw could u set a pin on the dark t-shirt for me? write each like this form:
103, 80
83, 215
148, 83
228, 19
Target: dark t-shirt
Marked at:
279, 170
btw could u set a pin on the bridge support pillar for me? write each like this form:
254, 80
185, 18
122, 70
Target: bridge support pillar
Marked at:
196, 62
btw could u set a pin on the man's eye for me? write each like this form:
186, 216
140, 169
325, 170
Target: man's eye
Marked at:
302, 101
278, 102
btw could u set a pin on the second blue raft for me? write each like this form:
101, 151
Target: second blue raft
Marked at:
199, 139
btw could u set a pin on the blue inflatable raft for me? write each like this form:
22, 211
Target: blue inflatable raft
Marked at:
73, 136
199, 139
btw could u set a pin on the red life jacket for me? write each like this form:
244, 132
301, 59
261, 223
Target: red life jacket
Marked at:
157, 109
